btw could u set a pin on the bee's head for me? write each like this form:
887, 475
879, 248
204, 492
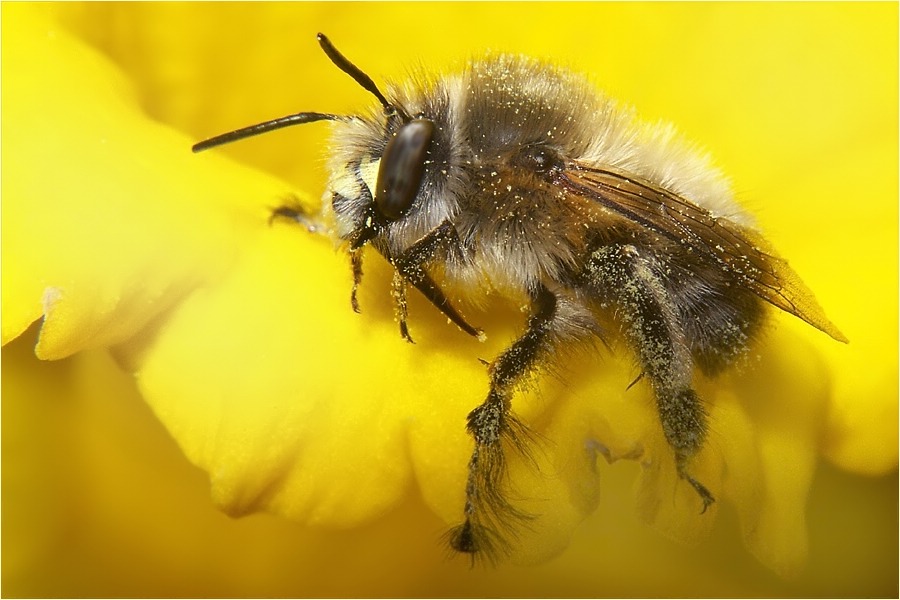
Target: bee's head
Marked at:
401, 167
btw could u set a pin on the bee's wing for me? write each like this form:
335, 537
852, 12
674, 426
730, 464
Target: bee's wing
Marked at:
738, 250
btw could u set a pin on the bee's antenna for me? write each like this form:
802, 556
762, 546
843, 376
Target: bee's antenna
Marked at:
341, 62
251, 130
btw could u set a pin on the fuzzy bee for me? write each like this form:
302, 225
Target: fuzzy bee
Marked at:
518, 178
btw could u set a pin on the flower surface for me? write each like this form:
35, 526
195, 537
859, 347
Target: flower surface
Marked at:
139, 258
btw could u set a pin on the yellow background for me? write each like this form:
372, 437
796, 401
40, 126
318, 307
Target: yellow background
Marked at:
798, 105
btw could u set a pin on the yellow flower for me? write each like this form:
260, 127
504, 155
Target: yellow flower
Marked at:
143, 258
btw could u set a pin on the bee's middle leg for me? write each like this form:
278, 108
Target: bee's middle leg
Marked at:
487, 512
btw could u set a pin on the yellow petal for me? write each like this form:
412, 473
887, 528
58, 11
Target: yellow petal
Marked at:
297, 406
278, 406
108, 219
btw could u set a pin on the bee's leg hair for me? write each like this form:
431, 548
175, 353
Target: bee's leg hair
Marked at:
411, 265
398, 293
357, 271
629, 280
487, 512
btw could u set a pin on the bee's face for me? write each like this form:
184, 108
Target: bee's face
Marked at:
395, 177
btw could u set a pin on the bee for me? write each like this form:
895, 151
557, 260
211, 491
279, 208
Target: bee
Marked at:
518, 178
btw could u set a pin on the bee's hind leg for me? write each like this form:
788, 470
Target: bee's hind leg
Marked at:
630, 281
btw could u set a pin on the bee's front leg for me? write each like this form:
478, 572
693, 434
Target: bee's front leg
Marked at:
293, 210
411, 268
631, 282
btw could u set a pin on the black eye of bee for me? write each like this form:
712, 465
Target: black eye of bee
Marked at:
402, 168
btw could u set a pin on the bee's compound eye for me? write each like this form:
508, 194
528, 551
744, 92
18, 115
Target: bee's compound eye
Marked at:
402, 168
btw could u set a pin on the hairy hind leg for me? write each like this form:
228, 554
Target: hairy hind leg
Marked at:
649, 318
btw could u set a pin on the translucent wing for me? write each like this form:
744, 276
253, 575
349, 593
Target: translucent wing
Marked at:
736, 249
